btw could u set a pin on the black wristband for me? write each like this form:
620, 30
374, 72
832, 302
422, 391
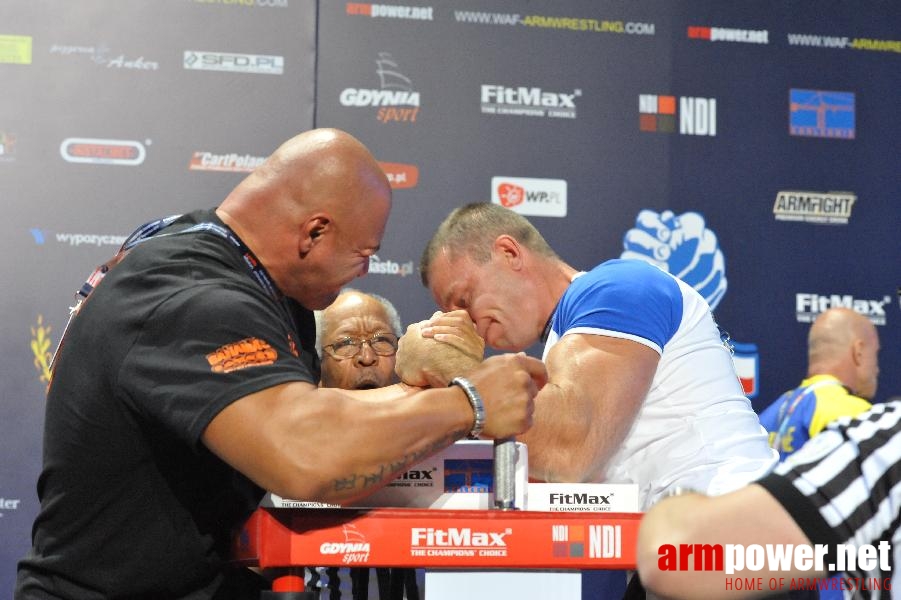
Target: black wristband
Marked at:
475, 400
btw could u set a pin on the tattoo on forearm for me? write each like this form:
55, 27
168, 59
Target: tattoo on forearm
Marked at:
359, 481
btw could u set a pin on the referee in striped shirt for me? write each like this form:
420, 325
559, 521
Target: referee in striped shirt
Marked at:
841, 492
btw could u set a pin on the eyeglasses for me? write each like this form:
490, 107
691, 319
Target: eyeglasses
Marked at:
383, 344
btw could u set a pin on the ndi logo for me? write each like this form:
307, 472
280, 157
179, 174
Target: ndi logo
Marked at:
696, 116
604, 541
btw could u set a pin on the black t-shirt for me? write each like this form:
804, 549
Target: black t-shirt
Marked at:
132, 503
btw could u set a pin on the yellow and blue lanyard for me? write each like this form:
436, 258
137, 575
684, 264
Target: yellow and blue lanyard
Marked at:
788, 408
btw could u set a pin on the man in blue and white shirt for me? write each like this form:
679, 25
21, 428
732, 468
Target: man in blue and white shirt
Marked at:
641, 387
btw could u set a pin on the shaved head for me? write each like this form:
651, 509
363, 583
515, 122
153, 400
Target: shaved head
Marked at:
312, 213
844, 343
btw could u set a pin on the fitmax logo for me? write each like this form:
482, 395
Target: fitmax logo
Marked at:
454, 537
808, 306
579, 499
528, 101
418, 474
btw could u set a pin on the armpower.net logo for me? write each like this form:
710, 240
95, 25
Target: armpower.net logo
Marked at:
249, 352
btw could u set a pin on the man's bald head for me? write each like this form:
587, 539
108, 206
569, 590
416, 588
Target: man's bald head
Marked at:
313, 213
310, 170
845, 344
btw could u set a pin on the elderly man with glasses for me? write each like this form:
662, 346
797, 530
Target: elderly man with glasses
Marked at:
357, 341
356, 338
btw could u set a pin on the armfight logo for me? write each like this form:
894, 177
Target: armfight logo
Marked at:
809, 306
396, 99
830, 208
530, 196
95, 151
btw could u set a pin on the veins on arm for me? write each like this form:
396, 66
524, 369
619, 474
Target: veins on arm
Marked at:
596, 388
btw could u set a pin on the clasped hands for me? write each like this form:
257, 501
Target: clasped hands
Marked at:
434, 351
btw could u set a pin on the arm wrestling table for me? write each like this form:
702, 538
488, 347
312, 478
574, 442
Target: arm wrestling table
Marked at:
282, 541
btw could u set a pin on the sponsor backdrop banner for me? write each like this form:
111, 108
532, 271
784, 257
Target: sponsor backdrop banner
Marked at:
748, 149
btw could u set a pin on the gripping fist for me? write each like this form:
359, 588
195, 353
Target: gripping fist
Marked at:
433, 352
681, 245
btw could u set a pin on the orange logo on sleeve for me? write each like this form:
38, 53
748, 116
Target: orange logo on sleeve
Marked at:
249, 352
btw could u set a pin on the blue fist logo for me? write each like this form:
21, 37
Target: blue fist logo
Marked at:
681, 245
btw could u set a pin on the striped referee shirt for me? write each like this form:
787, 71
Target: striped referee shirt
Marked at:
844, 487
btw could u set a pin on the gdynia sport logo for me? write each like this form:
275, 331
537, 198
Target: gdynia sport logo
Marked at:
740, 563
